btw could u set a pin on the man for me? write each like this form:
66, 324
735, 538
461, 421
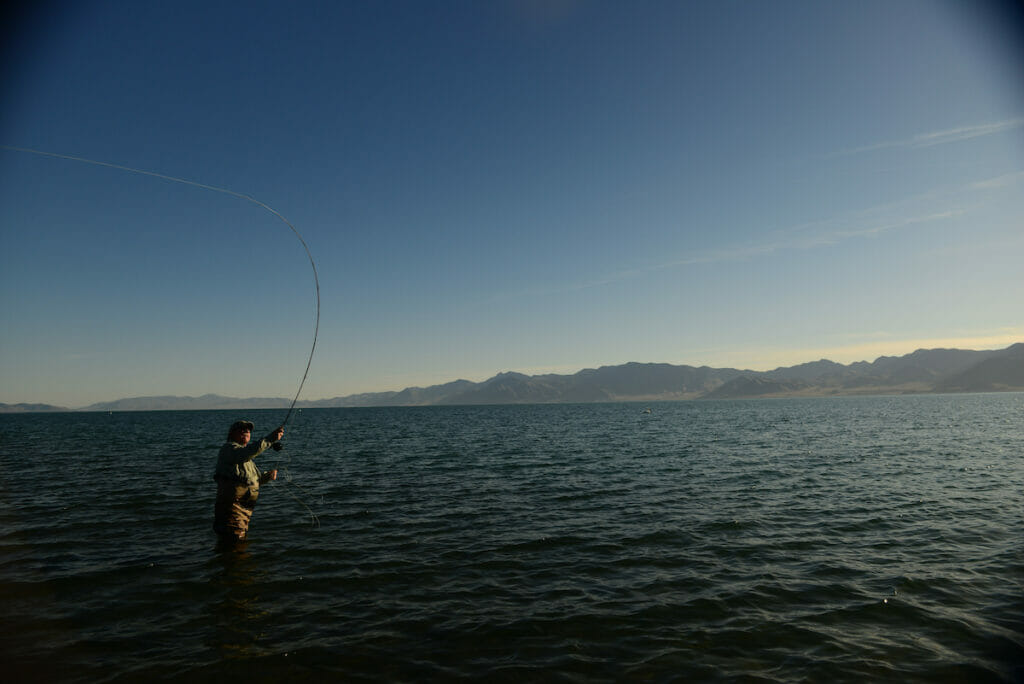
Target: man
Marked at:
238, 480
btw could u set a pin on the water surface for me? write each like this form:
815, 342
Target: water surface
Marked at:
854, 539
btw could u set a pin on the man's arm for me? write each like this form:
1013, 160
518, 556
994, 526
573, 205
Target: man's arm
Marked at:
242, 454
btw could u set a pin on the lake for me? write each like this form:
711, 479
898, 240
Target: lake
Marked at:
848, 539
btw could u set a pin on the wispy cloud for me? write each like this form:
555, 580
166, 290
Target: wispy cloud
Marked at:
1004, 181
806, 236
934, 138
912, 211
855, 230
909, 212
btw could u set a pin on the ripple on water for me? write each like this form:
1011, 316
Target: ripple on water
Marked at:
856, 539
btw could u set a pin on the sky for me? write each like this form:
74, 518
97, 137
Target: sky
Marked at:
515, 185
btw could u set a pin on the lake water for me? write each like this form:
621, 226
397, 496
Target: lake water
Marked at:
849, 539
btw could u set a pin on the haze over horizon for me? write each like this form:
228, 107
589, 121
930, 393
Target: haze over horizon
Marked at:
860, 385
510, 186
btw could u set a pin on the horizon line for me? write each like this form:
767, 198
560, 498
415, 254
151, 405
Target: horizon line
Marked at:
532, 372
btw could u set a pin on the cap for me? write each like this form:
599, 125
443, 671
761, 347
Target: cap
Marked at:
241, 425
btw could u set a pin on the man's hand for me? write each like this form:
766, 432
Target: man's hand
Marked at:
273, 474
277, 434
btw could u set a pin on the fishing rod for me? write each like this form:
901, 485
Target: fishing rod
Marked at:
316, 279
277, 446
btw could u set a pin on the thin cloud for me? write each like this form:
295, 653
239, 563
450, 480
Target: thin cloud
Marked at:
934, 138
862, 224
866, 223
866, 231
1004, 181
820, 238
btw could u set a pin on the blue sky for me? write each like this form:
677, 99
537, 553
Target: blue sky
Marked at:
501, 186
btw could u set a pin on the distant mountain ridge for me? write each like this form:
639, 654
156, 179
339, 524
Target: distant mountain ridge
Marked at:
923, 371
31, 408
171, 403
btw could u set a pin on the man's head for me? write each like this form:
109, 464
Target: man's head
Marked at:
241, 432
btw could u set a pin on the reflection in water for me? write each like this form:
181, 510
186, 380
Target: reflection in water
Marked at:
237, 619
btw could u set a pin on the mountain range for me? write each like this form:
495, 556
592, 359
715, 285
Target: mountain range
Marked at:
923, 371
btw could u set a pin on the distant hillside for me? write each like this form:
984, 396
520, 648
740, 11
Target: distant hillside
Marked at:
31, 408
925, 370
205, 402
1000, 372
747, 386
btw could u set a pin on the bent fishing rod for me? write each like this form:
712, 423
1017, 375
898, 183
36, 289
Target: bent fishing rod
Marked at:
214, 188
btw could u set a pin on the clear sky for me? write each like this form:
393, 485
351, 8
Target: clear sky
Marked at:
532, 186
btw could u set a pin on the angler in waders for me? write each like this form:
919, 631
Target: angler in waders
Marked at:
238, 480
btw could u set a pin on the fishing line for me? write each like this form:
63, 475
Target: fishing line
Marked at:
214, 188
314, 519
239, 195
